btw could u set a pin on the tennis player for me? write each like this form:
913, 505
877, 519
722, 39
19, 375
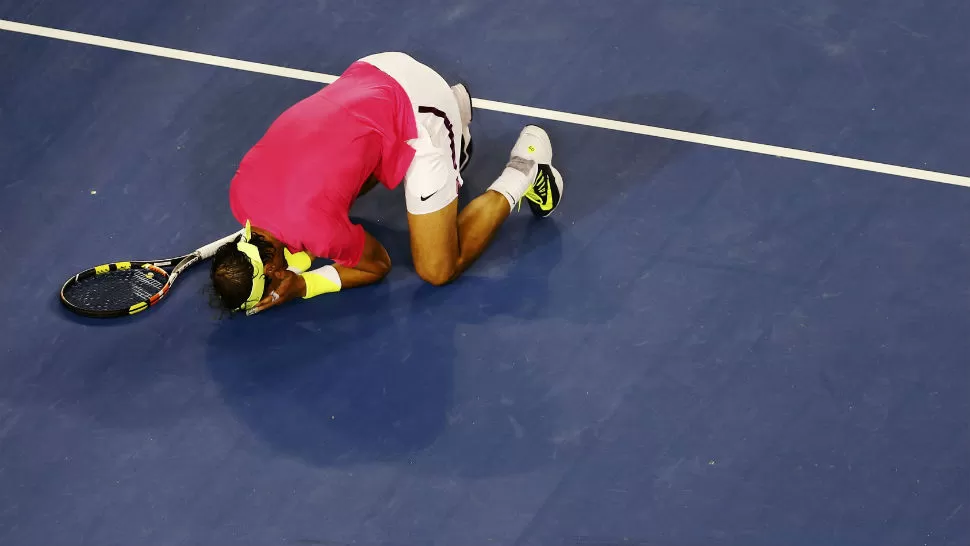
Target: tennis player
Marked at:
387, 120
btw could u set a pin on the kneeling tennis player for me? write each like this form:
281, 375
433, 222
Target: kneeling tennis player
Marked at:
388, 120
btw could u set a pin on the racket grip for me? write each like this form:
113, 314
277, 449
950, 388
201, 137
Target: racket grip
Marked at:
210, 249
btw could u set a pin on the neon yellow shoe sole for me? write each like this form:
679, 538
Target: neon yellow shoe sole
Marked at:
546, 192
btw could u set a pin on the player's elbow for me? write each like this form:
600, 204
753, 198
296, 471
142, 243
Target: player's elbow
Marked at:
377, 268
375, 260
383, 266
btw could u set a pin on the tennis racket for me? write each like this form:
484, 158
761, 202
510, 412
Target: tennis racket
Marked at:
122, 289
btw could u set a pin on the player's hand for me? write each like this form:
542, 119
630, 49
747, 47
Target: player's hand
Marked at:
291, 287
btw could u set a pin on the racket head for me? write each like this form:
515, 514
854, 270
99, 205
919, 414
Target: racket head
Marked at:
122, 288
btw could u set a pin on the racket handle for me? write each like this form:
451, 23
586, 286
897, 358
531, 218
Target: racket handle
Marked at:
210, 249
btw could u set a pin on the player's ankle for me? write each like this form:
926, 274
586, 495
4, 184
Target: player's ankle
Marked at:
513, 182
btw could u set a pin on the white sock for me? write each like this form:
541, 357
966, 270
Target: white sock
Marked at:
515, 179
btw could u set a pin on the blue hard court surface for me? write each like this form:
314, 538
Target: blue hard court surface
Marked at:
702, 346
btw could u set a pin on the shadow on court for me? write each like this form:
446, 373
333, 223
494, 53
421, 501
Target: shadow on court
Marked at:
368, 374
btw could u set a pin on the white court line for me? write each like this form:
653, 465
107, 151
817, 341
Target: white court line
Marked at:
528, 111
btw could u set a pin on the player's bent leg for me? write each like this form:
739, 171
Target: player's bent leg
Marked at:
434, 243
431, 196
445, 243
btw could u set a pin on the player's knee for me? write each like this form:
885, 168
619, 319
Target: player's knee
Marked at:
438, 274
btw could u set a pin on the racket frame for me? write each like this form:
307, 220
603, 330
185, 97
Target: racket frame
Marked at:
183, 263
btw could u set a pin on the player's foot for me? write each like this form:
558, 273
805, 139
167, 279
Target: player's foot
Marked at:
464, 99
545, 192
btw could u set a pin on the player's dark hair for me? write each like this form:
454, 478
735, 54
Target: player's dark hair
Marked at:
232, 274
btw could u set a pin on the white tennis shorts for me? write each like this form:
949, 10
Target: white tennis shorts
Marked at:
433, 179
